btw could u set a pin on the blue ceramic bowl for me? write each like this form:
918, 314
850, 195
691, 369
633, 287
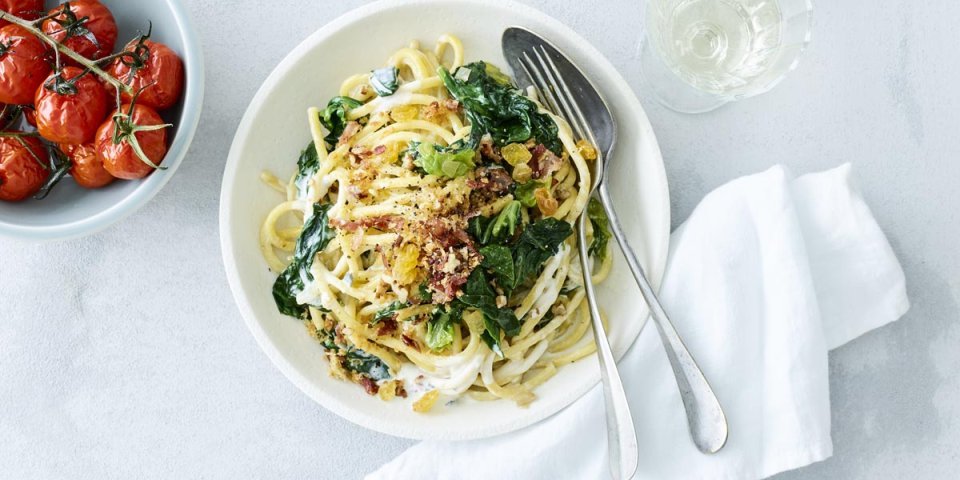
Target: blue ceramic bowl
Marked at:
71, 211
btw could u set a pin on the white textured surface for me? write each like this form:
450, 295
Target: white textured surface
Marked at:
140, 367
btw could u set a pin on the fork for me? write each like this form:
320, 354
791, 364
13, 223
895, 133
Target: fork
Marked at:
705, 416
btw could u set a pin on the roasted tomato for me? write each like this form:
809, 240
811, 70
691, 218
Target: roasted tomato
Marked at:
25, 9
23, 169
114, 147
86, 168
153, 67
70, 106
23, 65
30, 115
87, 27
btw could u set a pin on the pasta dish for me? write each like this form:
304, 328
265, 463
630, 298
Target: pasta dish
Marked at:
426, 238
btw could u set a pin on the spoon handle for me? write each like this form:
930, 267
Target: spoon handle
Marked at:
708, 425
621, 434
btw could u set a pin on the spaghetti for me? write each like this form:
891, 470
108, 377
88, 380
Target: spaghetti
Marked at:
426, 239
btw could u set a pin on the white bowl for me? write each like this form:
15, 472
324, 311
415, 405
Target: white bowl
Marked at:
72, 211
274, 130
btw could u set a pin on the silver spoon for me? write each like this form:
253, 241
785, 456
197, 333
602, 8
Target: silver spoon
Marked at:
572, 96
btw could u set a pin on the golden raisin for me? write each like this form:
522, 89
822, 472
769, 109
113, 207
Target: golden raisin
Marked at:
545, 201
522, 173
515, 154
426, 402
587, 151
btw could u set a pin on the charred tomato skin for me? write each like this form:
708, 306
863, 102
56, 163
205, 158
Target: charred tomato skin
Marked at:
21, 175
24, 64
120, 159
25, 9
71, 117
86, 168
160, 77
100, 23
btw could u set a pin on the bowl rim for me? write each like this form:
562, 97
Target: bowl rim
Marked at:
305, 384
192, 56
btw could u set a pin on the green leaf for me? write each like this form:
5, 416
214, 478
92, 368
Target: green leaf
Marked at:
384, 81
480, 295
334, 117
538, 242
494, 106
315, 236
440, 330
359, 361
601, 229
388, 312
524, 192
444, 162
426, 296
505, 224
307, 166
499, 260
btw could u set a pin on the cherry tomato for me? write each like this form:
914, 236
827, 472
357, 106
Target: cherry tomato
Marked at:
70, 106
30, 115
70, 29
153, 67
23, 65
25, 9
22, 167
119, 158
86, 167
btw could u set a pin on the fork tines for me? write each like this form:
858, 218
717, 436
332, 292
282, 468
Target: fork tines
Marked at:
554, 92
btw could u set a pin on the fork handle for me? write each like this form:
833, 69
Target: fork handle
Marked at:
621, 433
708, 424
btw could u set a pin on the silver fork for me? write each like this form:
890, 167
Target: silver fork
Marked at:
621, 434
706, 420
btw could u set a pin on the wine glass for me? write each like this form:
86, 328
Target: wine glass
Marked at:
700, 54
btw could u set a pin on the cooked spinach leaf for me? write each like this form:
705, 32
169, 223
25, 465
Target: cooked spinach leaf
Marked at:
359, 361
480, 295
388, 311
426, 296
538, 242
307, 166
496, 230
440, 329
334, 117
524, 192
451, 162
315, 236
499, 260
601, 229
384, 81
494, 106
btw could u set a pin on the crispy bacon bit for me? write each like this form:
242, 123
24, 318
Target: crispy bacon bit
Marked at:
488, 150
432, 112
384, 222
451, 105
380, 149
446, 235
387, 327
544, 162
410, 342
495, 180
349, 131
369, 385
401, 392
360, 152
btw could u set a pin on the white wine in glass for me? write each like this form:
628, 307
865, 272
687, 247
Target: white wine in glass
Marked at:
700, 54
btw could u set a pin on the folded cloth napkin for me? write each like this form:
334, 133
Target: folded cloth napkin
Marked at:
767, 274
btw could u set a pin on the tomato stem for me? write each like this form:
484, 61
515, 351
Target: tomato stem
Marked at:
91, 65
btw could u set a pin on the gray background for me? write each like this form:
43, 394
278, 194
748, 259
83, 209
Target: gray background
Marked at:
122, 354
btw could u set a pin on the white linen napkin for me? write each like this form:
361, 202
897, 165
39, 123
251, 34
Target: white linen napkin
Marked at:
767, 274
